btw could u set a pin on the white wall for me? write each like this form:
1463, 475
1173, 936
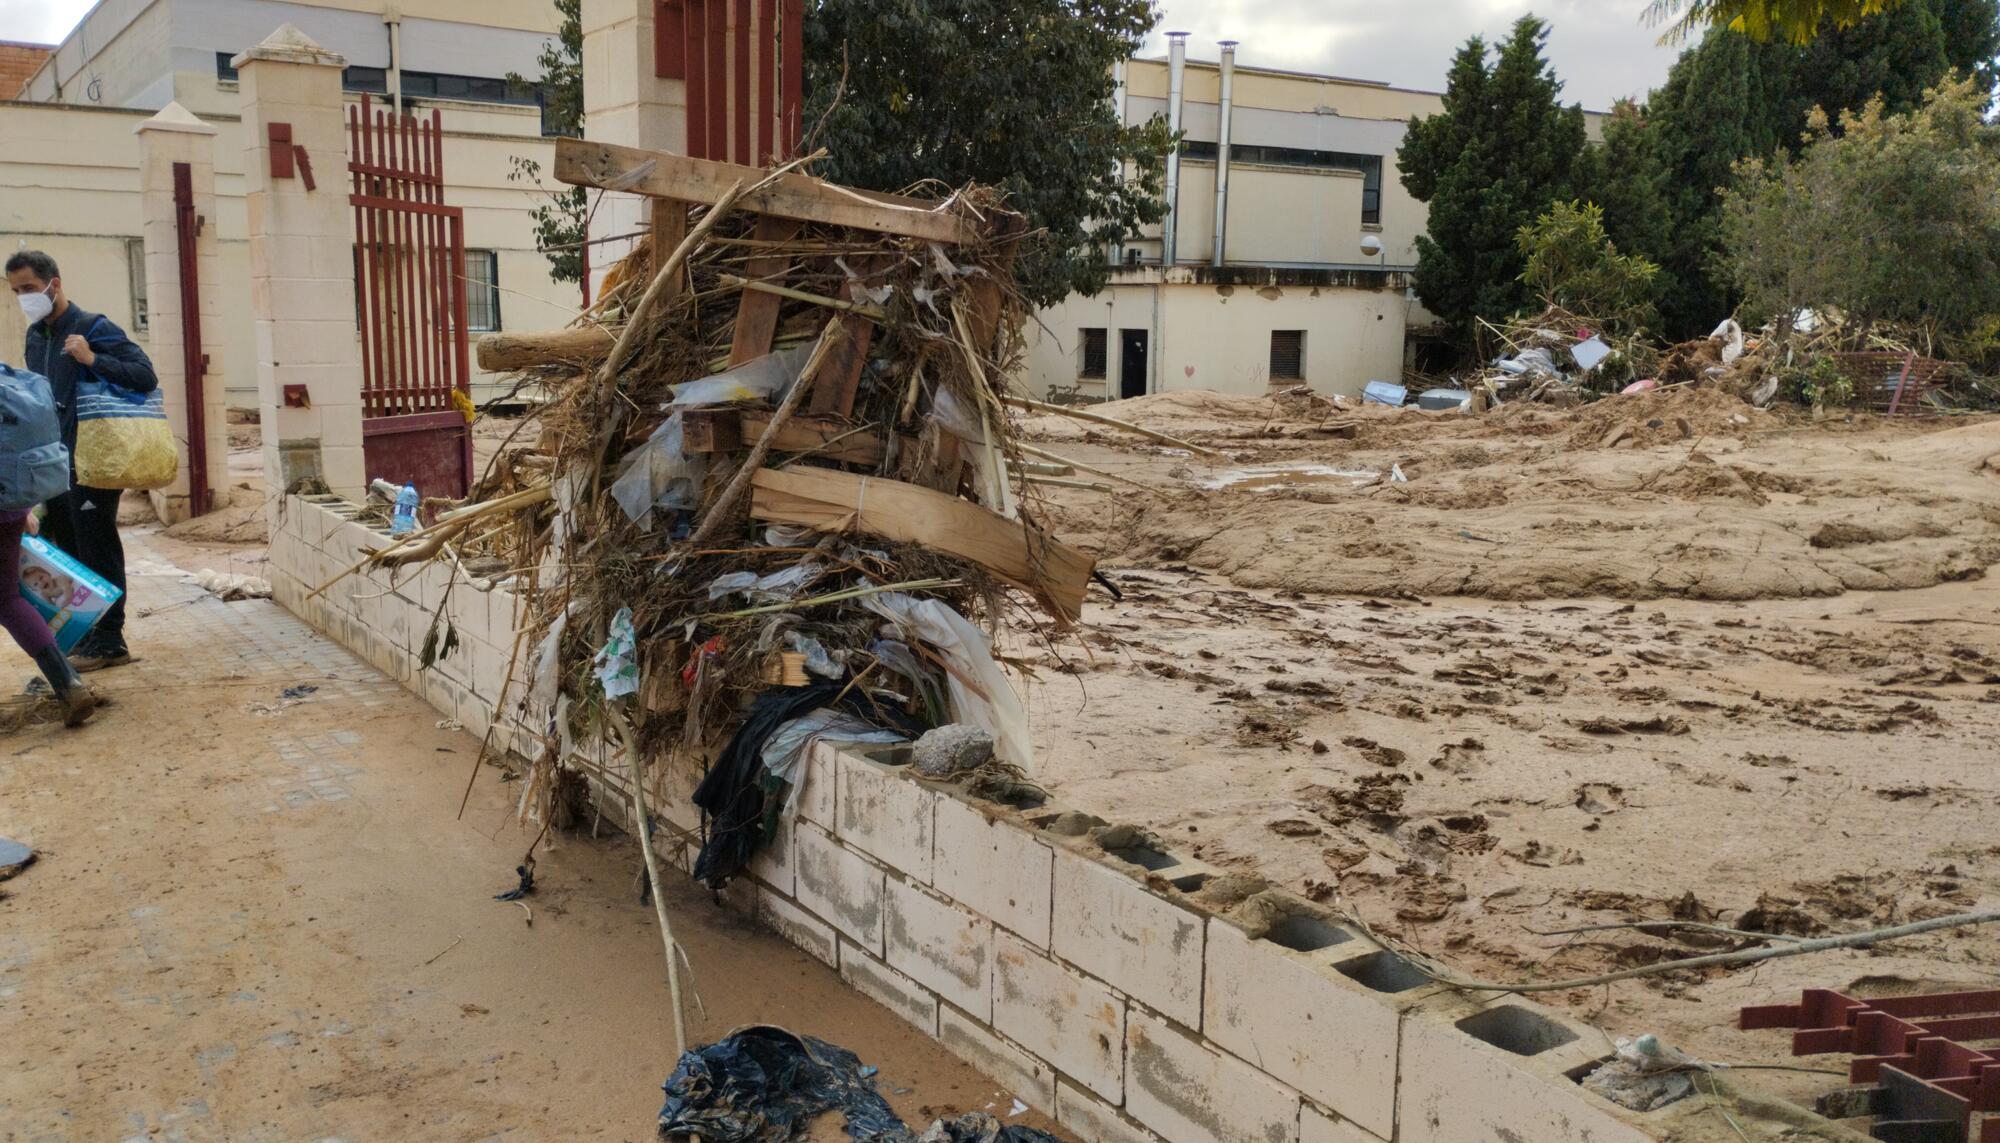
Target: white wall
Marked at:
1219, 337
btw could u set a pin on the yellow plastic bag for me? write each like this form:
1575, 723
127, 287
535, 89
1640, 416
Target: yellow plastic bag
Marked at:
122, 438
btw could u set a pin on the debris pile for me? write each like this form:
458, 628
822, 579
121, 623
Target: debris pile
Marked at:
783, 504
1815, 358
1558, 357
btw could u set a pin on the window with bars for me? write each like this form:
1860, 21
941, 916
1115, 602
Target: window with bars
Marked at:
1288, 355
482, 290
1095, 353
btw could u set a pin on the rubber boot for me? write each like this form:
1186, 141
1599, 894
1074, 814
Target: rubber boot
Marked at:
78, 703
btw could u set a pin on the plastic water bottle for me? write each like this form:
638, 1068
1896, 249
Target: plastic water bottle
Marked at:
405, 521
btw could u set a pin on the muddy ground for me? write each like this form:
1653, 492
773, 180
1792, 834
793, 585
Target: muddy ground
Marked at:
1664, 657
1658, 657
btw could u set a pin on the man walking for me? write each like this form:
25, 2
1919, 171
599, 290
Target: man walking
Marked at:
68, 344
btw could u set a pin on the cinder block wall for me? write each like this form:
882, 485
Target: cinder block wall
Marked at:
1125, 992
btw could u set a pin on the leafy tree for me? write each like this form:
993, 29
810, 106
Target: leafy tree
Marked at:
1732, 97
1794, 20
560, 215
1895, 218
1502, 150
1013, 93
1570, 262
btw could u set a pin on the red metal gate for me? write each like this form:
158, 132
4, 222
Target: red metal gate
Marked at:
409, 276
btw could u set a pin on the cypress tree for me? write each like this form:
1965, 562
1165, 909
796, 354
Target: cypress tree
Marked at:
1502, 150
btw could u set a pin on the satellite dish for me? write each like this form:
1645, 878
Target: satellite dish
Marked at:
1371, 245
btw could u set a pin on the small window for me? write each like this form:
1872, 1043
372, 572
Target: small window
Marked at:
373, 80
135, 262
224, 71
1288, 355
1093, 354
482, 290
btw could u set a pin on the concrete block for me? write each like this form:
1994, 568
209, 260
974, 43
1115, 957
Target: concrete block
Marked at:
1018, 1073
840, 885
1471, 1074
818, 795
772, 864
886, 815
889, 988
1116, 929
472, 613
1093, 1120
1189, 1093
1292, 1015
1062, 1016
800, 927
475, 712
1316, 1126
941, 946
994, 866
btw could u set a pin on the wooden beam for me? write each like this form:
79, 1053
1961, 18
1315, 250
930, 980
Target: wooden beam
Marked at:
757, 313
581, 162
582, 347
1011, 550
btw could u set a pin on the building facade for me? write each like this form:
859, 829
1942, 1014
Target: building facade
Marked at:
69, 183
1287, 253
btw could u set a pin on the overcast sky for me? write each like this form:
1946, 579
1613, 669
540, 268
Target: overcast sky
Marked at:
1600, 48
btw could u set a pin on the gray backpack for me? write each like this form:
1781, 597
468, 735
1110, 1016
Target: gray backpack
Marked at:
34, 465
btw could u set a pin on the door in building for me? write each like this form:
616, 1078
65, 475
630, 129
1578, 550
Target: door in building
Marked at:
409, 264
1132, 372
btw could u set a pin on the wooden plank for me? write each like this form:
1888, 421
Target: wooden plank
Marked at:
1011, 550
581, 162
757, 313
835, 387
826, 438
985, 290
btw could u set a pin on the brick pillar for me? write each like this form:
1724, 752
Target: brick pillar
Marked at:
172, 138
302, 262
625, 102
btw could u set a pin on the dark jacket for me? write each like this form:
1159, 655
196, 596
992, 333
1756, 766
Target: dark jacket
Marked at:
118, 360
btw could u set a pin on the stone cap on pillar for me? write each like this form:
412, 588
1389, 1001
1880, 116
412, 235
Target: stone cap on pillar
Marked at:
289, 45
174, 117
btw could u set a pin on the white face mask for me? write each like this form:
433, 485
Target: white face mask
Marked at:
36, 306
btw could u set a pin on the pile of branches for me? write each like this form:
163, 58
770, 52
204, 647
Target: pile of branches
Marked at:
832, 521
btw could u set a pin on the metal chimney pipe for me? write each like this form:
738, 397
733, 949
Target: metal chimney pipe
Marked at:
1176, 77
1222, 152
1118, 101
